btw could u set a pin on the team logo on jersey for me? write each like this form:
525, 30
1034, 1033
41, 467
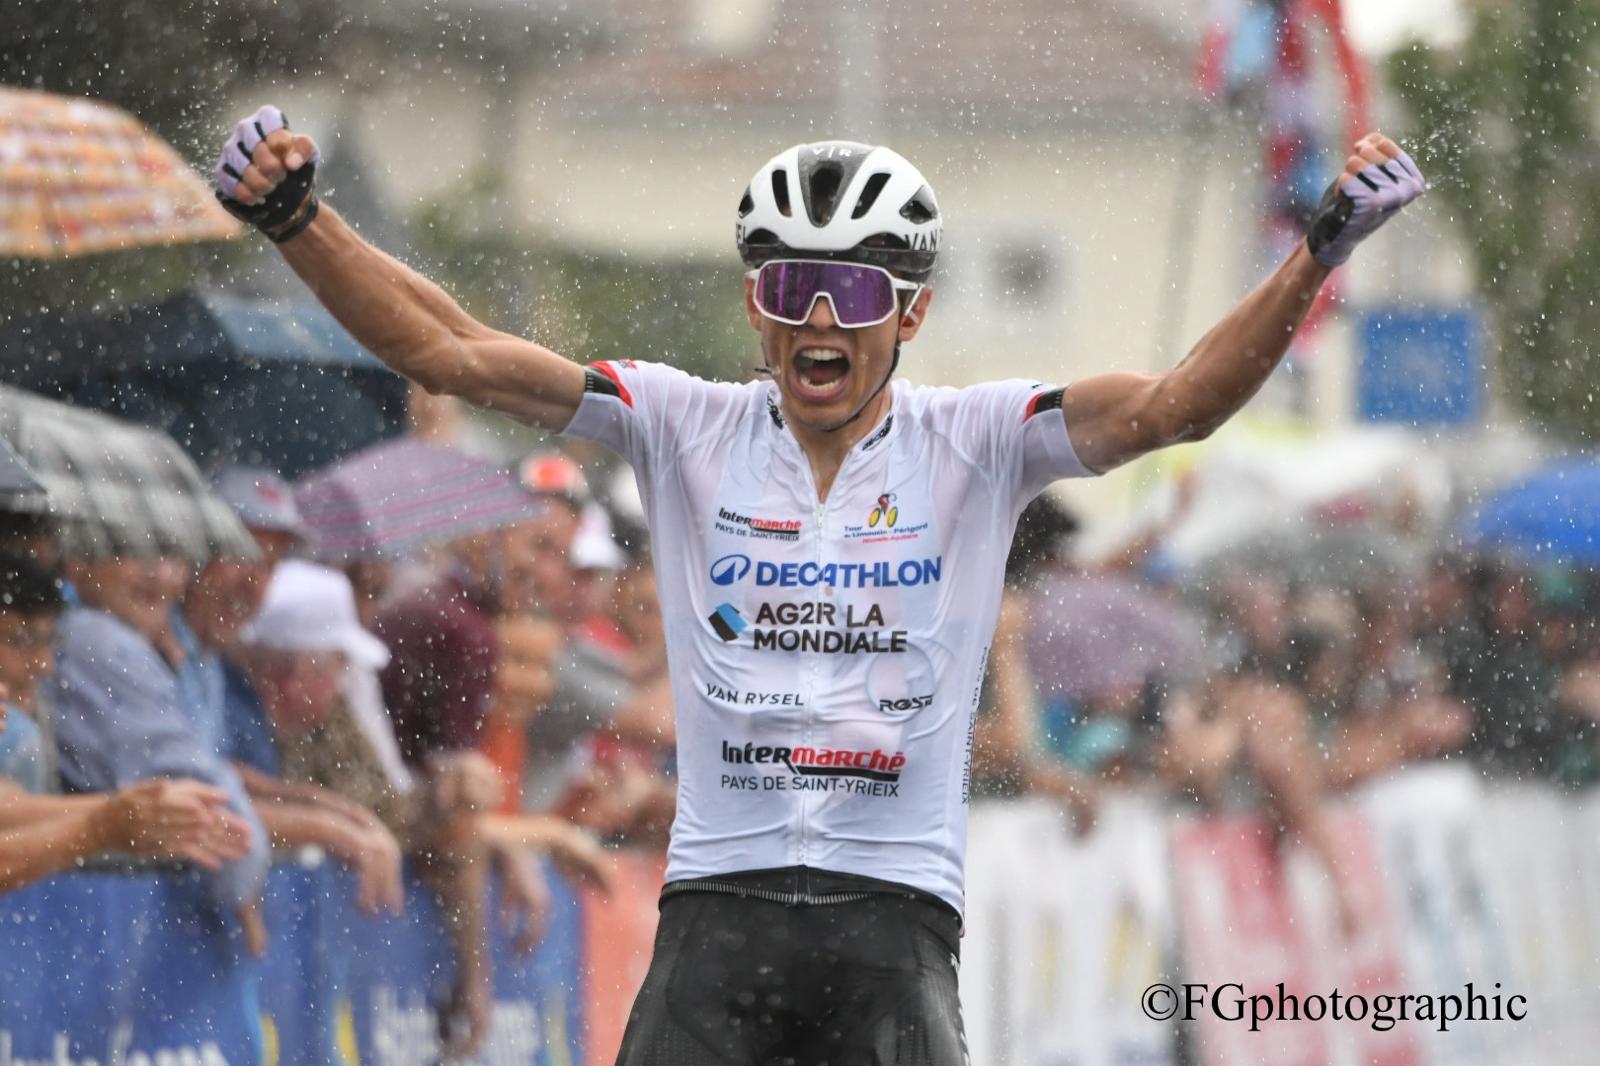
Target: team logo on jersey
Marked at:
728, 622
756, 527
886, 512
820, 762
729, 569
883, 574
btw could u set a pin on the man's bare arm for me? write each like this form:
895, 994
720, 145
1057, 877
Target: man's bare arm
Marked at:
403, 318
416, 328
1113, 418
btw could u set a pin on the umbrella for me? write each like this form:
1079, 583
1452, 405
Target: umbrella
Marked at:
1552, 514
78, 176
15, 477
1093, 633
1323, 556
273, 383
389, 500
116, 488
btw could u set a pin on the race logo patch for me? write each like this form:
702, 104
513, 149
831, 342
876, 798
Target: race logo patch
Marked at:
885, 512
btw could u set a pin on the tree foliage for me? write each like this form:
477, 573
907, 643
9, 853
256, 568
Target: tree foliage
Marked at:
1508, 131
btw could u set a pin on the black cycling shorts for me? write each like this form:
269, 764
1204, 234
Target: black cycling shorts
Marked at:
799, 967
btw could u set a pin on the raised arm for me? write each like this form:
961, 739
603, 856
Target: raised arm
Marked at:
1113, 418
266, 176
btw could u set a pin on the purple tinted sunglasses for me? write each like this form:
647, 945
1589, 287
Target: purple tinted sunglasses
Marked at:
859, 295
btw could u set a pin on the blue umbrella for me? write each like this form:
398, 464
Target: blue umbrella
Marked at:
1553, 514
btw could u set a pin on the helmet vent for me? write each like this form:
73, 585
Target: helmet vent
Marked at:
747, 205
824, 199
869, 195
920, 208
780, 192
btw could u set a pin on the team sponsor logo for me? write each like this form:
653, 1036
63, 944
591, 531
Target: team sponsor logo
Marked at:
906, 703
885, 511
751, 697
825, 628
756, 527
884, 574
730, 569
727, 622
862, 771
877, 437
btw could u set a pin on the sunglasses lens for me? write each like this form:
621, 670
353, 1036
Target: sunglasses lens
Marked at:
861, 295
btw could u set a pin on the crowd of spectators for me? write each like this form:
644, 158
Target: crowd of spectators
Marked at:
1309, 685
504, 696
456, 713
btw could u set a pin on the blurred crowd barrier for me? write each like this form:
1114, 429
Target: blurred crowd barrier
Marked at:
106, 968
1457, 882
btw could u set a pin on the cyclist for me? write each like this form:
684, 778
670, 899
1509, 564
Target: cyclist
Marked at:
838, 541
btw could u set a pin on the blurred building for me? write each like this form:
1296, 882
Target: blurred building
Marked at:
1098, 215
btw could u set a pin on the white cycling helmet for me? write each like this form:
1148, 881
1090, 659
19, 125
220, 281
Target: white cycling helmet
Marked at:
841, 200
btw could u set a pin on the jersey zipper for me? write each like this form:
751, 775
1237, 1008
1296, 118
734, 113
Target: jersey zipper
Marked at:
808, 719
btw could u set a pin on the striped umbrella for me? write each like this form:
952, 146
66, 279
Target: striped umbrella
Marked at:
15, 477
114, 488
391, 499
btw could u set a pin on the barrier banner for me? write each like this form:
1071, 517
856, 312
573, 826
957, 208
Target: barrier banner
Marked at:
101, 969
1055, 961
1442, 883
117, 970
1256, 913
348, 988
1439, 858
618, 936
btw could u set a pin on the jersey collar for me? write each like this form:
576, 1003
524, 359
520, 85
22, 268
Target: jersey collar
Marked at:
871, 442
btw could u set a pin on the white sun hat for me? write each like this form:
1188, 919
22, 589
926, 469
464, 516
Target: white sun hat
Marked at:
312, 608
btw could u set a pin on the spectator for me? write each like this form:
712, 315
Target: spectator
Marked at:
42, 835
186, 821
221, 599
226, 593
593, 749
30, 602
305, 637
28, 536
442, 643
118, 714
1398, 709
1008, 758
1510, 682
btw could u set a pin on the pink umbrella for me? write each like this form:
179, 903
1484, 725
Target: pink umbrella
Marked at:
1091, 634
388, 500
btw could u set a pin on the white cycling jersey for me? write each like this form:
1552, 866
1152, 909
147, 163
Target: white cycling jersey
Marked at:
827, 658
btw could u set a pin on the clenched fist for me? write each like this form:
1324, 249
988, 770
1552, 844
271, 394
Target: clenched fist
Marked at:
1379, 179
264, 175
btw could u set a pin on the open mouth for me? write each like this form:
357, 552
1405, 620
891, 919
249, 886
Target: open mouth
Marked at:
821, 372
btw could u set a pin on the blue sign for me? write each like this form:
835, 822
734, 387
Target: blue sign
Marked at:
1419, 367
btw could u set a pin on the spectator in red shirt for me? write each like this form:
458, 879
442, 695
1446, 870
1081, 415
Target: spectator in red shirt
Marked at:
442, 643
